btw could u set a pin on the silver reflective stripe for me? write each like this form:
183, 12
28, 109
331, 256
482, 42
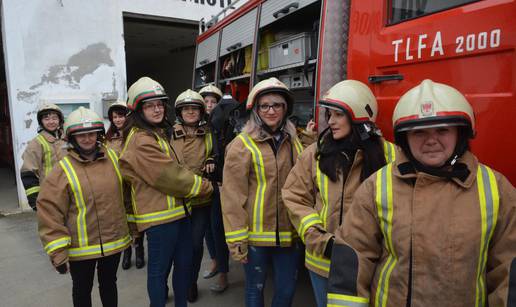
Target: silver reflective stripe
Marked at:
489, 203
97, 249
75, 185
344, 303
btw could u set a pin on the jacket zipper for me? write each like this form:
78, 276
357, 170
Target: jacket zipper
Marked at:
96, 213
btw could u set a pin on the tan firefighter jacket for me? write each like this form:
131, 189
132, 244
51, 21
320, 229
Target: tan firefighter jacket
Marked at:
193, 149
115, 143
430, 240
316, 205
307, 137
252, 208
81, 213
39, 157
159, 183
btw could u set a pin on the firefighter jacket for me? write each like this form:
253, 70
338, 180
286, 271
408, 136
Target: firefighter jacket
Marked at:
316, 205
115, 143
39, 157
307, 137
254, 173
159, 183
413, 239
193, 149
81, 212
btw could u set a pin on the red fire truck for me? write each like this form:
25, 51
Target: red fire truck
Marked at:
391, 45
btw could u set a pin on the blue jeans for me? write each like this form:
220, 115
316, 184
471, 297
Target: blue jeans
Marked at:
219, 237
200, 223
210, 244
169, 244
320, 286
284, 262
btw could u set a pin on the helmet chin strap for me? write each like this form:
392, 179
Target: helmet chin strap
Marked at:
449, 169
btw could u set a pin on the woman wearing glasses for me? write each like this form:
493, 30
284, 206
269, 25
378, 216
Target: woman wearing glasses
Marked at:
257, 163
159, 186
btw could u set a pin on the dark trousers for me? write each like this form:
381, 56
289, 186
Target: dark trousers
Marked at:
284, 262
169, 244
200, 223
83, 272
219, 238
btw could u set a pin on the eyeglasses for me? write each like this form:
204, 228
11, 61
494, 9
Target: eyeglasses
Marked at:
153, 105
276, 106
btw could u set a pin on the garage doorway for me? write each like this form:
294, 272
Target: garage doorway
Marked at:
162, 49
8, 193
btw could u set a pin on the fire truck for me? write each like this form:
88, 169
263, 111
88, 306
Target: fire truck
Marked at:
391, 45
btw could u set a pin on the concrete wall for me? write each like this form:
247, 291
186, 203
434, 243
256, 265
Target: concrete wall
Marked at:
71, 51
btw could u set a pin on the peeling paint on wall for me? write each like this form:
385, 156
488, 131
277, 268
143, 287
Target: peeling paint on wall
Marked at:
70, 74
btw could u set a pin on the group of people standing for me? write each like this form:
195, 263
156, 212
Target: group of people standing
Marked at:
419, 223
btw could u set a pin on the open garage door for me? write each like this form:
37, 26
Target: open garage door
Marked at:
163, 49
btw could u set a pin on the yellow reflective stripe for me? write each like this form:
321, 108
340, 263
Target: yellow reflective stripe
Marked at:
171, 201
385, 212
389, 151
114, 160
156, 216
307, 222
47, 154
237, 235
97, 249
319, 262
129, 137
322, 185
270, 236
75, 185
298, 146
57, 244
259, 169
196, 187
133, 200
208, 143
489, 200
32, 190
341, 300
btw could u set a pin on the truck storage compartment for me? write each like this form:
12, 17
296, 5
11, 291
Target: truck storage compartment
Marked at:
291, 50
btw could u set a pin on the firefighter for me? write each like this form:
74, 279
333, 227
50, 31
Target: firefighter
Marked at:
193, 143
347, 153
43, 151
160, 186
435, 227
211, 95
117, 114
81, 215
215, 239
257, 163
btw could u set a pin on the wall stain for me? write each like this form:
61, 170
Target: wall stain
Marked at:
79, 65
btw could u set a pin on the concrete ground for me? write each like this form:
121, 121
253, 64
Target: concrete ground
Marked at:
28, 279
8, 194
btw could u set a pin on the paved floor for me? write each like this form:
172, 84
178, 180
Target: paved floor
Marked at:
28, 279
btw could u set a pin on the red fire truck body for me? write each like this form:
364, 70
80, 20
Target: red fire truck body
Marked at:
391, 46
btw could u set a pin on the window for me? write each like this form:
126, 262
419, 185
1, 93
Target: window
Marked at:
401, 10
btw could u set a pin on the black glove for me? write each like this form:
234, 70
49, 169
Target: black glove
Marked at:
329, 248
63, 268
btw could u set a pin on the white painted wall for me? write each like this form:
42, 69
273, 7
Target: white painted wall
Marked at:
70, 50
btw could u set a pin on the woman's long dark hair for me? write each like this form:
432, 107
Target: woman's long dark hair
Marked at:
335, 155
113, 131
136, 119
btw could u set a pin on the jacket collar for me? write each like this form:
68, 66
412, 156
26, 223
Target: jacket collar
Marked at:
49, 137
101, 154
180, 131
404, 170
